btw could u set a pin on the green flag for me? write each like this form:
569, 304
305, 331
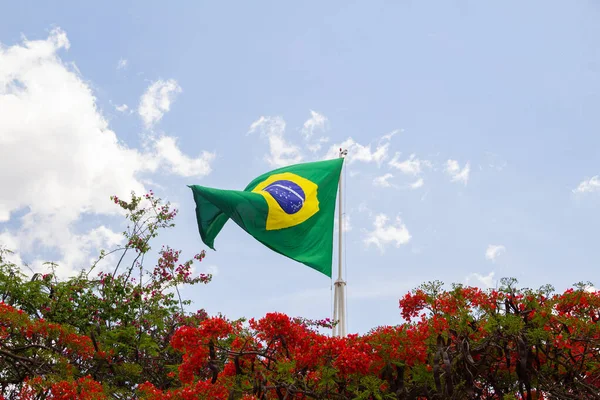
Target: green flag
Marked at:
290, 210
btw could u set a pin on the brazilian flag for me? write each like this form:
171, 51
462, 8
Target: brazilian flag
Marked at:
290, 210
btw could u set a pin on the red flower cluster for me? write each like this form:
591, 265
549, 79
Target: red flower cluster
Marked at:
84, 388
462, 343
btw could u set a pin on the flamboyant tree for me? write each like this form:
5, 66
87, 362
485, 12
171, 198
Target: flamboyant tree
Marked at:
120, 329
460, 344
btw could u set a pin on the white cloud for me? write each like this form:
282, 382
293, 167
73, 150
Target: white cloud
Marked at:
10, 243
77, 250
485, 282
417, 184
64, 160
122, 64
588, 185
317, 144
361, 153
346, 225
386, 233
281, 153
493, 251
390, 135
383, 181
52, 130
80, 247
122, 108
411, 166
315, 122
364, 208
456, 174
180, 164
156, 101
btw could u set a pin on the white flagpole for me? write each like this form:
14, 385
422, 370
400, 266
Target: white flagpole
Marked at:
339, 301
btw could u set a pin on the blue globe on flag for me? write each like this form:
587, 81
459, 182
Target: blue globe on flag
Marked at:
288, 195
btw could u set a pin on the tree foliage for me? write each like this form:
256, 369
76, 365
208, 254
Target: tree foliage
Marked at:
125, 315
124, 332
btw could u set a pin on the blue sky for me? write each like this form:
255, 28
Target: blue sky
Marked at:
493, 161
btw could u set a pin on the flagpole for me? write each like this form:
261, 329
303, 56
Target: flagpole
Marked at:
339, 301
